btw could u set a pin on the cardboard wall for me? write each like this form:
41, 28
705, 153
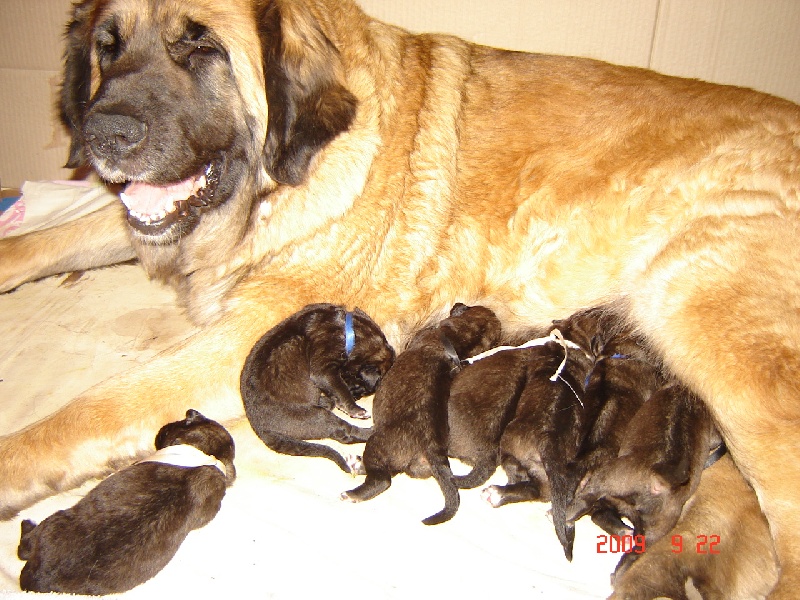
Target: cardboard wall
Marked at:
754, 43
32, 142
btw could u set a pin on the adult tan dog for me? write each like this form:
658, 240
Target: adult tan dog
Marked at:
284, 152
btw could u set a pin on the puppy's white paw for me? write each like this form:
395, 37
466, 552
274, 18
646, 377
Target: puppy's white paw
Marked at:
492, 495
363, 413
355, 464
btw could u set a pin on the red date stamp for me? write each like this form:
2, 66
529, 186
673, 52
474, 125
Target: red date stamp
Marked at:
703, 544
616, 544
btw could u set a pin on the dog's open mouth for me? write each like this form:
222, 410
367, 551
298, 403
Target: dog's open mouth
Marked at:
153, 209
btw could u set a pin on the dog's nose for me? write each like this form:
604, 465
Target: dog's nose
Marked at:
113, 135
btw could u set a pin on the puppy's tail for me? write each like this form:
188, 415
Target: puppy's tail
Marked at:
483, 469
562, 491
284, 444
444, 477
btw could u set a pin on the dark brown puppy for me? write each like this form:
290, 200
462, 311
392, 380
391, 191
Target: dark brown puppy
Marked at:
623, 378
410, 406
129, 527
662, 455
484, 396
548, 425
319, 358
483, 399
721, 542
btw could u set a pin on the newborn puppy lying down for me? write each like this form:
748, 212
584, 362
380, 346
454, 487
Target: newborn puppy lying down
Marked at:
410, 406
132, 523
721, 542
623, 378
484, 395
319, 358
662, 456
545, 432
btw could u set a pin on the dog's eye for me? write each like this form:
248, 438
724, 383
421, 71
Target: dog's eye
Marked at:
108, 44
204, 49
196, 46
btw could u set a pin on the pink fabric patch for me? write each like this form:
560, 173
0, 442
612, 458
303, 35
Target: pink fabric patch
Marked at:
12, 218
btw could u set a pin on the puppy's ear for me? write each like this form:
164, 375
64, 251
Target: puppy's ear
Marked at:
596, 345
668, 477
458, 309
76, 82
193, 416
308, 103
25, 548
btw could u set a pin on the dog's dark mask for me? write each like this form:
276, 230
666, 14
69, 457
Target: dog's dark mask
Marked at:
167, 121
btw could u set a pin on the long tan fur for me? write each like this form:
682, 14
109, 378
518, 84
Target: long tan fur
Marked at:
535, 185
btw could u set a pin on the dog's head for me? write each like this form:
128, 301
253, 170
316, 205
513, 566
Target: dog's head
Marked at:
204, 434
471, 329
188, 103
371, 358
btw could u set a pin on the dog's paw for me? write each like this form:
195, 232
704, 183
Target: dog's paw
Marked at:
355, 464
360, 413
492, 495
346, 497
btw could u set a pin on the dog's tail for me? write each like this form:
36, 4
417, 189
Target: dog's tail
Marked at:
480, 473
561, 497
284, 444
444, 477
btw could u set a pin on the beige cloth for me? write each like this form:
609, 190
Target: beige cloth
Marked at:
50, 203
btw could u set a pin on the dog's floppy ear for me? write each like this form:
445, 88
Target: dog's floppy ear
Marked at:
308, 104
76, 83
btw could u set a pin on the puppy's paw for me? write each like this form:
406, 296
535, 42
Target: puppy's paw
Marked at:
346, 497
360, 413
493, 495
355, 464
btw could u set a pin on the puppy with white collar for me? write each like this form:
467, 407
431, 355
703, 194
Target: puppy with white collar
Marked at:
130, 525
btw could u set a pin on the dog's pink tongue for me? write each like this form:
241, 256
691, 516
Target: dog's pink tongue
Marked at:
146, 199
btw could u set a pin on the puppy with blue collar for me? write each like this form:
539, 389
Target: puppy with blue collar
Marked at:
322, 357
127, 528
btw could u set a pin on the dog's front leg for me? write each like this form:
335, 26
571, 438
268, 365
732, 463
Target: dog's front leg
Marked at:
330, 382
100, 238
117, 420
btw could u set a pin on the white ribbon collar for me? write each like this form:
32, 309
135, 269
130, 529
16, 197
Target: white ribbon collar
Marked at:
555, 336
184, 455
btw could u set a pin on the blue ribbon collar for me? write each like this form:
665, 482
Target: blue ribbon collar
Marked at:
349, 334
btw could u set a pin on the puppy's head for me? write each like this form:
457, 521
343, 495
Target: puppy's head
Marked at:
640, 494
471, 329
588, 328
370, 358
204, 434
